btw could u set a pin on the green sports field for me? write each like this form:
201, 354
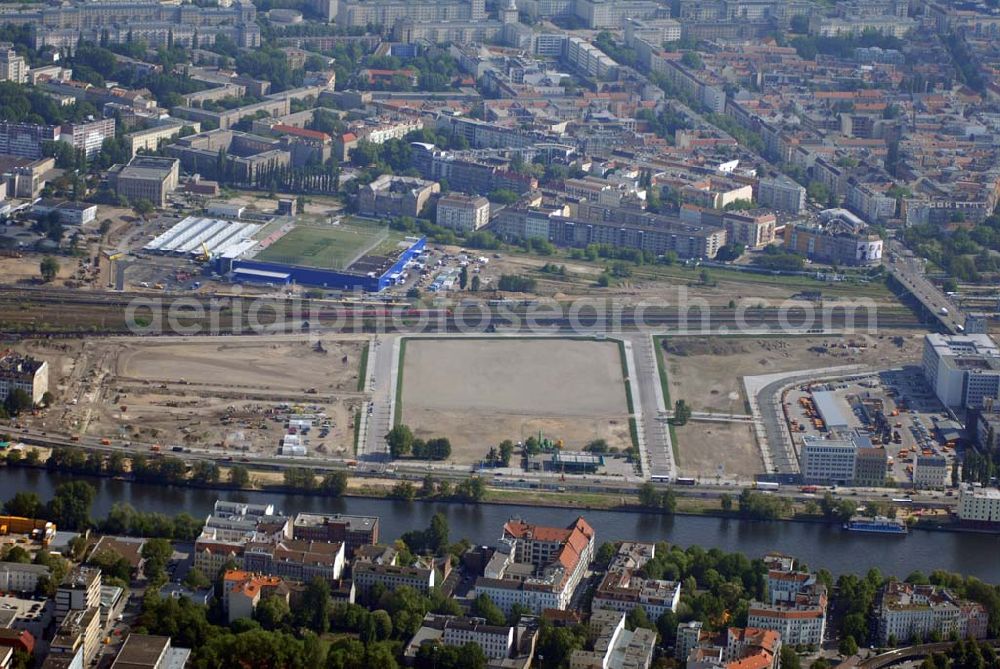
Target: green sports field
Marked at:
327, 246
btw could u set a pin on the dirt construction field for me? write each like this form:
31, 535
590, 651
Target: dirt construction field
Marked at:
478, 392
230, 393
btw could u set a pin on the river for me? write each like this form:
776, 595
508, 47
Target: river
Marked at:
819, 546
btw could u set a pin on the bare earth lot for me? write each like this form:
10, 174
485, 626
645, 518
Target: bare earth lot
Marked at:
220, 393
259, 364
478, 392
707, 373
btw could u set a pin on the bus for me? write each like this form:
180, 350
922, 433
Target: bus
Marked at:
766, 485
686, 481
902, 500
659, 478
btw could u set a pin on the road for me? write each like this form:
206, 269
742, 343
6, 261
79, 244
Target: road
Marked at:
377, 418
650, 410
908, 270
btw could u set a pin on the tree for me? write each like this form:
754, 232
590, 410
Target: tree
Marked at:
239, 476
476, 283
485, 608
727, 503
143, 207
314, 609
70, 507
157, 553
506, 451
789, 659
848, 646
605, 553
400, 440
463, 277
24, 504
272, 612
196, 580
334, 484
682, 413
48, 268
205, 471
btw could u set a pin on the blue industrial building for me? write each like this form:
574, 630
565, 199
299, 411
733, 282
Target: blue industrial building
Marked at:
352, 278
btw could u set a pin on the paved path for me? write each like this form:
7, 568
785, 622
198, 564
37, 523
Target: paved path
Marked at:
650, 407
377, 416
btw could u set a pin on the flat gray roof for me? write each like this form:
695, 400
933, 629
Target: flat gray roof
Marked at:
829, 409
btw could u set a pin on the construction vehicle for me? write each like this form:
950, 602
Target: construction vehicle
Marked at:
205, 255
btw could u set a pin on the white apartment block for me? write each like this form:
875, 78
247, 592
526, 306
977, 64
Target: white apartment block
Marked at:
463, 213
17, 577
496, 641
12, 66
367, 574
963, 370
18, 372
797, 625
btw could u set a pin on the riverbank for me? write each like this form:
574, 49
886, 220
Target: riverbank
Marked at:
362, 488
817, 544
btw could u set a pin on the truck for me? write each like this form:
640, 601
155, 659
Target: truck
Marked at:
766, 485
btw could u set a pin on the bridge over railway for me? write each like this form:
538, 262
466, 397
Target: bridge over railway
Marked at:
910, 653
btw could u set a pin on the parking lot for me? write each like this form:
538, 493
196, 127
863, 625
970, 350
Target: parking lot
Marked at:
895, 409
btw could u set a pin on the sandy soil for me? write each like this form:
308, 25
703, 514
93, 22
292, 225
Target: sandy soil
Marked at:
705, 446
223, 393
240, 364
25, 269
479, 392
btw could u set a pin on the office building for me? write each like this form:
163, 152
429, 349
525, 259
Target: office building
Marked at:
146, 178
463, 213
21, 372
963, 370
12, 66
930, 472
828, 460
149, 139
871, 467
979, 506
905, 612
68, 212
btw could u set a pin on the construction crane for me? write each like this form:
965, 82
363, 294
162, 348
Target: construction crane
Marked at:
206, 255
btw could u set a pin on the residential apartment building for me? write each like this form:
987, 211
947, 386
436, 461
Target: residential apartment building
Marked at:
146, 178
463, 213
906, 612
963, 370
79, 632
753, 229
20, 372
979, 506
26, 139
242, 591
80, 590
352, 531
296, 560
366, 575
89, 136
615, 646
390, 195
838, 237
624, 588
358, 13
149, 139
782, 194
12, 66
590, 61
537, 567
796, 604
733, 648
496, 641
